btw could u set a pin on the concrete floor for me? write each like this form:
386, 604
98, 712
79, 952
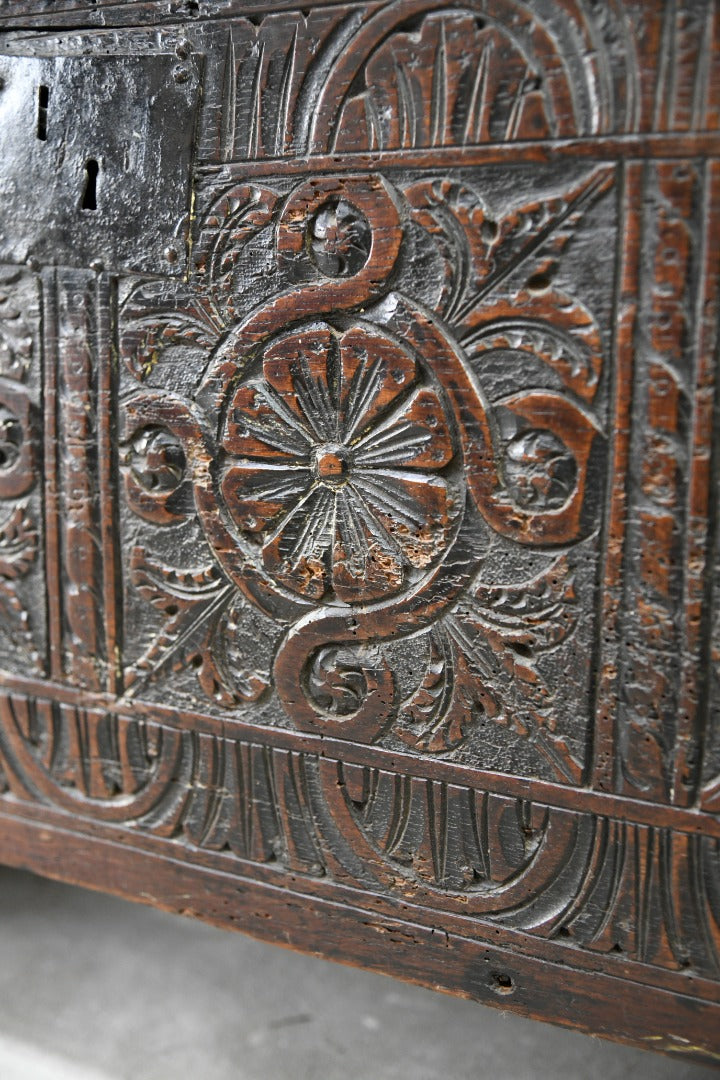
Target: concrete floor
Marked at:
93, 988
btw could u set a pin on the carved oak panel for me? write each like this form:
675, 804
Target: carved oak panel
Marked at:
358, 484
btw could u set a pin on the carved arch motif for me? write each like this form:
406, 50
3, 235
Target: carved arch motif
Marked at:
530, 74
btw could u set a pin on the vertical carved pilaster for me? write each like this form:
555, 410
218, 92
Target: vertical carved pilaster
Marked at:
667, 488
78, 460
630, 196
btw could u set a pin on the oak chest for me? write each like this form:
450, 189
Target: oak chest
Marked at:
358, 484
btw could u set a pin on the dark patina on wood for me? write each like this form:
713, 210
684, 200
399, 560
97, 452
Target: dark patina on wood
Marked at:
358, 484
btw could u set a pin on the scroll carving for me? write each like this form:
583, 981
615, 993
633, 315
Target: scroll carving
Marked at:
364, 540
349, 471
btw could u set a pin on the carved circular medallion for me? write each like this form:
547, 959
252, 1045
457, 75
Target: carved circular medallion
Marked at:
336, 463
539, 470
340, 239
366, 454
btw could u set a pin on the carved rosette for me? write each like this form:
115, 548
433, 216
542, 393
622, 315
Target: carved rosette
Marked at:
346, 464
339, 445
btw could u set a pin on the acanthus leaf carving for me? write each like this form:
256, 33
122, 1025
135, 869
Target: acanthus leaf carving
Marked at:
481, 668
451, 698
18, 552
193, 605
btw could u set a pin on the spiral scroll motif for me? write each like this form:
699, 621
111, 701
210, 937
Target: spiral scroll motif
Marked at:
344, 460
344, 447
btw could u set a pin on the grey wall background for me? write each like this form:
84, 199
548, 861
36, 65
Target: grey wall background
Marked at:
94, 988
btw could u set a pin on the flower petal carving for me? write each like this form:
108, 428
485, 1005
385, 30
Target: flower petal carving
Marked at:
300, 369
364, 558
259, 491
374, 373
332, 455
414, 511
415, 436
296, 554
260, 425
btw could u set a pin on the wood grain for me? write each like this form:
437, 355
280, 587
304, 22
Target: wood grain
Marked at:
358, 477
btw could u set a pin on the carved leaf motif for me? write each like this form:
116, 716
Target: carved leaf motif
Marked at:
463, 231
479, 250
551, 326
224, 673
506, 627
227, 691
195, 318
236, 216
532, 617
490, 644
195, 605
18, 545
145, 339
509, 627
18, 550
541, 229
187, 599
451, 697
337, 678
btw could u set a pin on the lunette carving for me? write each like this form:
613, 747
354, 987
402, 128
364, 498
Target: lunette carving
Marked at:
587, 881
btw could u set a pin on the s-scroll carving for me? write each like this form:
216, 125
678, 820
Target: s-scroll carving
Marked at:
346, 463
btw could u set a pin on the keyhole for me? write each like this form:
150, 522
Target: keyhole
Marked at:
89, 199
42, 112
